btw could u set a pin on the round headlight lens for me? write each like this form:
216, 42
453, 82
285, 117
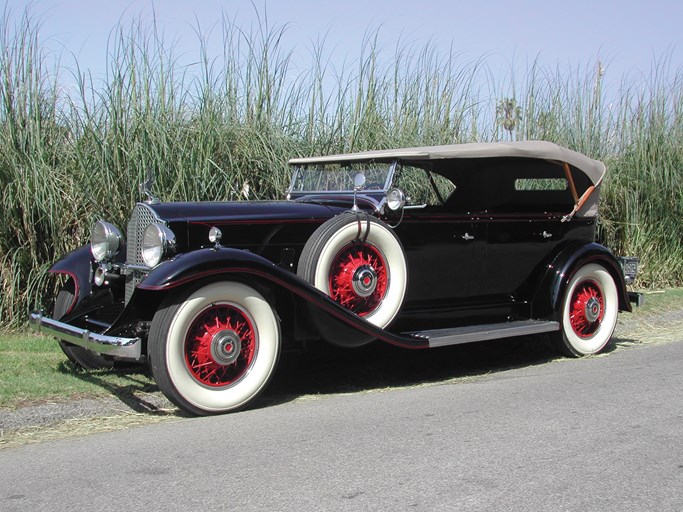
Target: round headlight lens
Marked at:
105, 241
157, 243
215, 235
396, 199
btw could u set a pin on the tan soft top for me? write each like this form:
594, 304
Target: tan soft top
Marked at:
594, 169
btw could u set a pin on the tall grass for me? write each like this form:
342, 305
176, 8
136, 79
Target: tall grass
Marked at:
68, 157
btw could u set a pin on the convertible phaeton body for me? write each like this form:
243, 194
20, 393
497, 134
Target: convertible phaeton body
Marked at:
417, 247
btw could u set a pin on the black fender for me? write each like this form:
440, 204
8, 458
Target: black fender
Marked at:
547, 301
77, 265
227, 263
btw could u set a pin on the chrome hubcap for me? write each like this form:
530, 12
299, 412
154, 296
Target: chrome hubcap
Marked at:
225, 347
592, 310
364, 281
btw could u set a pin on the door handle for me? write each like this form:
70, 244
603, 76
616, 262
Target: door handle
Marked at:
467, 237
546, 235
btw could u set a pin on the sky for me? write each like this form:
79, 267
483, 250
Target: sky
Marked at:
626, 36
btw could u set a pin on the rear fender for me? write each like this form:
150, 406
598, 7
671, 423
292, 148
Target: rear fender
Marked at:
547, 302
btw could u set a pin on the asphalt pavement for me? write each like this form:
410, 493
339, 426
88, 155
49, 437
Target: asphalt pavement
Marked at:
600, 433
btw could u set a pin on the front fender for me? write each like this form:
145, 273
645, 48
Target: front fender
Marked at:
222, 263
76, 264
205, 263
547, 301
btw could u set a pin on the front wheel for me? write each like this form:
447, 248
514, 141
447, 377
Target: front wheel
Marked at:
589, 311
213, 349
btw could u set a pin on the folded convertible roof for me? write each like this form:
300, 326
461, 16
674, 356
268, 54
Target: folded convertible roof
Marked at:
594, 169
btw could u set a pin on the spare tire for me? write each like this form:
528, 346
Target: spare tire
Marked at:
359, 262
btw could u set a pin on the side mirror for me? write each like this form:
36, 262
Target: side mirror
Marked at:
359, 181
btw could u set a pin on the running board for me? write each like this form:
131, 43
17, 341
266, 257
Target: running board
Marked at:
472, 333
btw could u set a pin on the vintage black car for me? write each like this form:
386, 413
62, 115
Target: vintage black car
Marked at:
417, 247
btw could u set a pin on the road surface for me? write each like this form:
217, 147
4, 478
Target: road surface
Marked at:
601, 433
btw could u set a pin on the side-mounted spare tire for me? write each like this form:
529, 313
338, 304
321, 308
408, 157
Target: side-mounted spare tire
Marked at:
359, 262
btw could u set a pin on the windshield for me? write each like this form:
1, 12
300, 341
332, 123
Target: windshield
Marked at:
339, 178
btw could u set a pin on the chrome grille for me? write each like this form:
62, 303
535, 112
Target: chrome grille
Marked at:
142, 217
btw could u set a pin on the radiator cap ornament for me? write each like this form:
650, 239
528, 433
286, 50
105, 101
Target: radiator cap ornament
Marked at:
146, 188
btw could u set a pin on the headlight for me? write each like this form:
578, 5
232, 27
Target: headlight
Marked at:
215, 235
396, 199
105, 241
157, 243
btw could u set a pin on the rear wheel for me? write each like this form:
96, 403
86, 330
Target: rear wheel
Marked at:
214, 349
589, 311
79, 356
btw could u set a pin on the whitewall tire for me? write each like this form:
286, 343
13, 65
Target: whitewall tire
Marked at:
215, 348
359, 262
589, 311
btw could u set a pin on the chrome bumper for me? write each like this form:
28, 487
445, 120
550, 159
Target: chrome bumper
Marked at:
127, 348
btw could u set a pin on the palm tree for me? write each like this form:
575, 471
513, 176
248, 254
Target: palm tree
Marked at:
508, 114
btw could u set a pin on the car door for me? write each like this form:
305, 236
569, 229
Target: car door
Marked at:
523, 226
516, 244
443, 254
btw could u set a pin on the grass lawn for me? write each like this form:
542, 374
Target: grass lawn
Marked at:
34, 369
661, 300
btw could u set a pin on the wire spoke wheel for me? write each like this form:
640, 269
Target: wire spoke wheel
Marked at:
220, 345
359, 262
589, 311
214, 348
359, 278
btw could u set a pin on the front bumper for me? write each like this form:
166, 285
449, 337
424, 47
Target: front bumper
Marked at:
115, 346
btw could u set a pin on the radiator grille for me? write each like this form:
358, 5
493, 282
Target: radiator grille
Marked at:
142, 217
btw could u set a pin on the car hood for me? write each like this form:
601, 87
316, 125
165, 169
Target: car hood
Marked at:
241, 211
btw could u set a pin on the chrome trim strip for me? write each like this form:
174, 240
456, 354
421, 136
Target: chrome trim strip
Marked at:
130, 266
128, 348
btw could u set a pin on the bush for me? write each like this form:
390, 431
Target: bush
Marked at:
69, 158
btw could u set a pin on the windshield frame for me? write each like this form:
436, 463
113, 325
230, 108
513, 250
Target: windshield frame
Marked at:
299, 170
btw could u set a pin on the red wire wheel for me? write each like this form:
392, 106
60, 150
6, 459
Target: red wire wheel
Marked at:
359, 262
589, 311
214, 347
220, 345
359, 278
